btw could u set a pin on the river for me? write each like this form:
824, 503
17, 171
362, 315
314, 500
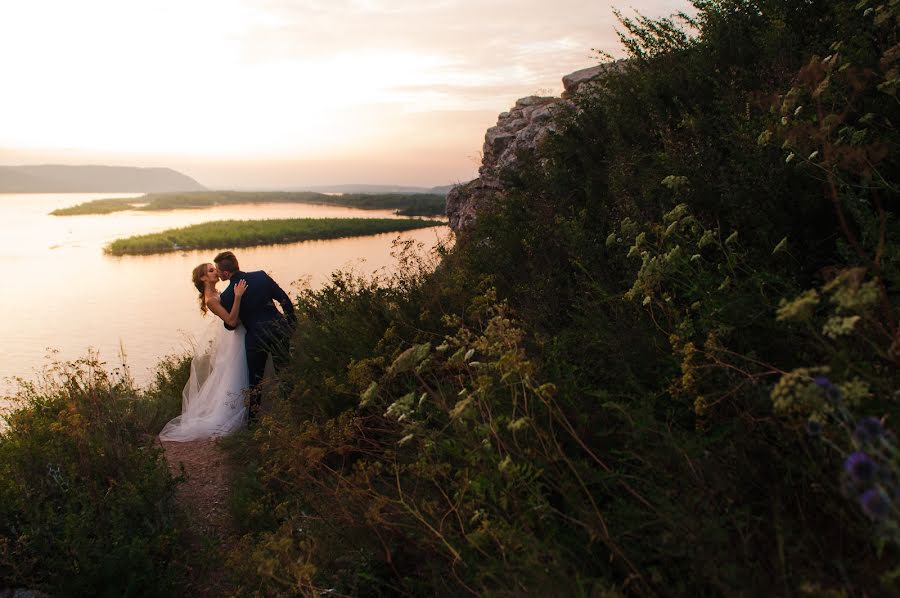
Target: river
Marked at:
61, 296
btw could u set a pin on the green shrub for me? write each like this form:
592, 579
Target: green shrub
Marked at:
85, 496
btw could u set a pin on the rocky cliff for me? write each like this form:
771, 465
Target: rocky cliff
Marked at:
518, 134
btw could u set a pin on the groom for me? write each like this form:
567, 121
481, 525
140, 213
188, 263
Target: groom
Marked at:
268, 331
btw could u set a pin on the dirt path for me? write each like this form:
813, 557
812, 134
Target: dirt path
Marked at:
203, 497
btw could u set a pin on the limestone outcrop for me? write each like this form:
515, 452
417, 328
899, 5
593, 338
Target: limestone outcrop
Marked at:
519, 134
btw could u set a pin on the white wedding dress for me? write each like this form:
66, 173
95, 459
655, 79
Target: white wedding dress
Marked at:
213, 398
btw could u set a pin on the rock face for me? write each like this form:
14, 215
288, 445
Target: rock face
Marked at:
518, 134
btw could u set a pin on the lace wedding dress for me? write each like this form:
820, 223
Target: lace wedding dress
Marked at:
213, 398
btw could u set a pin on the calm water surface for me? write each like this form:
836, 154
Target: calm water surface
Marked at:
59, 292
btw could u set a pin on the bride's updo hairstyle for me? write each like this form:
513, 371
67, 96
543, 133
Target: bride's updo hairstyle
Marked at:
198, 273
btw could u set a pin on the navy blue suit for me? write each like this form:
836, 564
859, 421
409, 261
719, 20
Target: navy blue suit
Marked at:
268, 331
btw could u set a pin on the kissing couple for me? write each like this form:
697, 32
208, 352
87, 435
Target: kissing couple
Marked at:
230, 360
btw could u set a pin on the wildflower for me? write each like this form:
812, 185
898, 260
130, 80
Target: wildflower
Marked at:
853, 391
839, 326
823, 382
860, 468
410, 358
674, 182
813, 155
784, 120
868, 429
796, 393
517, 424
800, 308
798, 110
369, 394
670, 229
461, 407
708, 238
875, 503
790, 158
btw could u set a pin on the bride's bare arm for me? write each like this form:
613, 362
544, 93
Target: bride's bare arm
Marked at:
230, 318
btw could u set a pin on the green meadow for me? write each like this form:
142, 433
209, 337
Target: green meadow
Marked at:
247, 233
404, 204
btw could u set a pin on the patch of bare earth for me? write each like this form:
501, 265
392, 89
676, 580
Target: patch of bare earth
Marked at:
203, 498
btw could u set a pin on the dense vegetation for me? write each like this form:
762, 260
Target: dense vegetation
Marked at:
247, 233
404, 204
665, 362
86, 502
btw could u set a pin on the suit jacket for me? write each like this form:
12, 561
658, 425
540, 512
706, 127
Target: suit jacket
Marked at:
258, 313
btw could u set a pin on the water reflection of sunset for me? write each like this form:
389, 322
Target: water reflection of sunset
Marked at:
70, 296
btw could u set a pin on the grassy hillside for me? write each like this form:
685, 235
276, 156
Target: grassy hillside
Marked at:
666, 362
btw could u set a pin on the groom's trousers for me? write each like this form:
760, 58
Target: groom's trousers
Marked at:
273, 340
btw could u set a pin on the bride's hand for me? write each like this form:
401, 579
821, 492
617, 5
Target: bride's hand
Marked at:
240, 287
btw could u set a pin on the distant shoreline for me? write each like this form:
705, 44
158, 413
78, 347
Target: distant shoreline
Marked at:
404, 204
223, 234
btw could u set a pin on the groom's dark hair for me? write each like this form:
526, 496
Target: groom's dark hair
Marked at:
227, 262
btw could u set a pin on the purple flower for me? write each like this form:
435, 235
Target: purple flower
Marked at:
823, 382
875, 503
868, 429
861, 468
832, 392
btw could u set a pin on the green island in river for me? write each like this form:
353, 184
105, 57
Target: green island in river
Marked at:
246, 233
404, 204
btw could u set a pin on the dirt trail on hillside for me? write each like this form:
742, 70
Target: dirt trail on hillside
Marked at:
203, 498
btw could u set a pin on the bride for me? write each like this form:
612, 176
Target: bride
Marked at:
213, 398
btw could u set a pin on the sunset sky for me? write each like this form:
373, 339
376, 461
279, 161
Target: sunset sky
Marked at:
285, 93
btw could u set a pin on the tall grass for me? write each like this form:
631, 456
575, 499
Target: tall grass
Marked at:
248, 233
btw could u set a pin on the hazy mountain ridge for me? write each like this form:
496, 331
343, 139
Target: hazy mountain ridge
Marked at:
57, 178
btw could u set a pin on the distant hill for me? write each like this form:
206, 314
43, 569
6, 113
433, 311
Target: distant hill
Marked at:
54, 178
